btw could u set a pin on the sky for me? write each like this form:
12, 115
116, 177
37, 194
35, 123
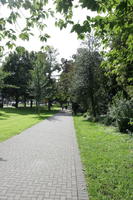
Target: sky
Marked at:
65, 42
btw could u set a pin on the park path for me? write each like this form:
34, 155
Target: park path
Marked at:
43, 163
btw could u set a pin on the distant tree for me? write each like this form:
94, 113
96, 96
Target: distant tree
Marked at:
18, 64
64, 82
51, 68
3, 75
88, 87
38, 82
43, 82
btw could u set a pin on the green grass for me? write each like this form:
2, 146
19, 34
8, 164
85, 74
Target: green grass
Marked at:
107, 157
13, 121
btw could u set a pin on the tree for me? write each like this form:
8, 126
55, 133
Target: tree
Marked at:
51, 67
18, 64
38, 82
43, 82
3, 75
113, 25
88, 83
64, 82
118, 36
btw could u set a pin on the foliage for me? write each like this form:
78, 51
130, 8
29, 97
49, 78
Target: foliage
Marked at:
88, 83
37, 13
51, 68
107, 160
18, 64
3, 75
117, 34
43, 82
31, 76
114, 25
38, 81
121, 111
65, 82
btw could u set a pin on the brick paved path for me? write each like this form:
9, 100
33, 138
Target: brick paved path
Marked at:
42, 163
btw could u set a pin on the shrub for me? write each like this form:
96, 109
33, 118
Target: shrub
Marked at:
121, 111
89, 117
106, 119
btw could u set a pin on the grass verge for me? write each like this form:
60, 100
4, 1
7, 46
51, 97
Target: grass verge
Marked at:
13, 121
107, 157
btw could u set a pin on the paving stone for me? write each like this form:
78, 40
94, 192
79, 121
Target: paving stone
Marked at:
43, 163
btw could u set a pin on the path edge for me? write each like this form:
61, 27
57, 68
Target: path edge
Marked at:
81, 182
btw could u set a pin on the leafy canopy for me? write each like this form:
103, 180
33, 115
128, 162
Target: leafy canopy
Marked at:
36, 13
114, 25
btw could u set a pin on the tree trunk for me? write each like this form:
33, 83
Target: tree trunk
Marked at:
61, 105
49, 105
93, 107
93, 104
91, 78
38, 106
17, 100
31, 103
24, 102
2, 102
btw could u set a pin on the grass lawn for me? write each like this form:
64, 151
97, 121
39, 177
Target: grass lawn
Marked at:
107, 157
14, 121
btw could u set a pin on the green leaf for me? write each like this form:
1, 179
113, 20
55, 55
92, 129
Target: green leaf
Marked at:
10, 45
77, 28
44, 37
24, 36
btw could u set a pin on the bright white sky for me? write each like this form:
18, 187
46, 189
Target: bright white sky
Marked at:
65, 42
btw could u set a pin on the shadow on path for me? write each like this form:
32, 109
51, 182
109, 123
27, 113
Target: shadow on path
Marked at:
1, 159
61, 113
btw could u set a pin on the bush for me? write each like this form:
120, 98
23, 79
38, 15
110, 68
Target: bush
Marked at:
121, 111
89, 117
106, 119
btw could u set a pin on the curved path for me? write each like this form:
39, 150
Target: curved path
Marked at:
42, 163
